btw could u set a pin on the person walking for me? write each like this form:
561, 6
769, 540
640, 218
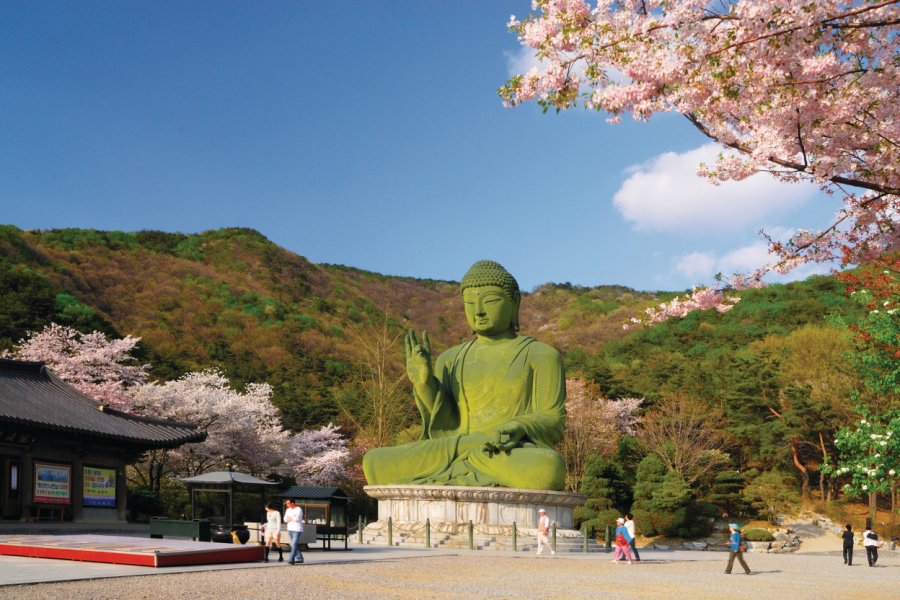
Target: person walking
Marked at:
847, 536
737, 548
543, 532
272, 531
629, 525
293, 516
870, 543
623, 542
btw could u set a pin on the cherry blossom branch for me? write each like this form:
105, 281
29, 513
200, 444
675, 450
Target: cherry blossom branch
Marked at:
838, 179
823, 22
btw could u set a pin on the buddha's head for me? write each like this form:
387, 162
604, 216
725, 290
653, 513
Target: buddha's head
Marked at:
491, 298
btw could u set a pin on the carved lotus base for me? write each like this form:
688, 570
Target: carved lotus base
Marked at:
449, 509
488, 506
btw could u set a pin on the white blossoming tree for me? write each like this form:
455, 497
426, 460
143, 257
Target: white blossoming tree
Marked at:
92, 363
869, 457
243, 428
594, 425
318, 456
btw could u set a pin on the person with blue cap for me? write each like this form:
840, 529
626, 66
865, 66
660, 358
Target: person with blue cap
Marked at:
736, 549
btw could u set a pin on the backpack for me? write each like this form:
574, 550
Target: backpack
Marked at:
872, 535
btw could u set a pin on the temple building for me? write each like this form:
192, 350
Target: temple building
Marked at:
63, 454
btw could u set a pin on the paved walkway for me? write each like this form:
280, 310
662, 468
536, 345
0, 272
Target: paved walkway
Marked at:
17, 570
415, 574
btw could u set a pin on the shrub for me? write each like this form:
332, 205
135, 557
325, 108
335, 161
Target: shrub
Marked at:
758, 535
771, 494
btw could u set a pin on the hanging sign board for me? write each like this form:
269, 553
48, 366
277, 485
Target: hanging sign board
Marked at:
52, 483
99, 487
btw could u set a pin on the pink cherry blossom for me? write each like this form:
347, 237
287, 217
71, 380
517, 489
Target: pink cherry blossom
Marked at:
95, 365
805, 91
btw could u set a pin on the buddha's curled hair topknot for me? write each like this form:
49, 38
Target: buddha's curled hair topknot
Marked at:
488, 272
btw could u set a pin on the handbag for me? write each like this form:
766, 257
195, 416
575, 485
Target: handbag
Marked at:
742, 547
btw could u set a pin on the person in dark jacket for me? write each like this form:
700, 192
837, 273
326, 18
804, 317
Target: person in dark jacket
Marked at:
735, 542
848, 545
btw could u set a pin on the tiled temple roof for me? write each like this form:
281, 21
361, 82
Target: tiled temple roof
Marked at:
32, 397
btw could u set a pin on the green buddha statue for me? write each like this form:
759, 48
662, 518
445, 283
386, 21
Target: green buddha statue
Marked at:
492, 408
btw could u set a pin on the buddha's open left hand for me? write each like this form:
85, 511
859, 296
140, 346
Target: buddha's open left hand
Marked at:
418, 359
507, 437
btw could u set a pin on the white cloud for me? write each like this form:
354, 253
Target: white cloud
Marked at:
665, 194
521, 61
700, 267
696, 265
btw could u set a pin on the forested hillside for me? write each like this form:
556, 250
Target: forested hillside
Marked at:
232, 299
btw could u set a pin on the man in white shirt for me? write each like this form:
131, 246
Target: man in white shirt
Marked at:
293, 516
543, 536
870, 543
629, 525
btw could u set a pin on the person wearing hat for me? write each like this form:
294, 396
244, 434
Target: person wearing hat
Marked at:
623, 542
736, 548
543, 534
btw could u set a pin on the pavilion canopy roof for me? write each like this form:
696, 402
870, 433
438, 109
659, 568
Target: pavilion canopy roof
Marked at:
227, 477
301, 492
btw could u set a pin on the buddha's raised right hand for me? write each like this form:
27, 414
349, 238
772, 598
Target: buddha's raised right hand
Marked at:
418, 359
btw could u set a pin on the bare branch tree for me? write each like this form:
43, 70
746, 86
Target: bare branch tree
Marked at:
388, 407
687, 435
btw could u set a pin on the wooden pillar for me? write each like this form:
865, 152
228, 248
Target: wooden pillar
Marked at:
121, 494
26, 486
77, 490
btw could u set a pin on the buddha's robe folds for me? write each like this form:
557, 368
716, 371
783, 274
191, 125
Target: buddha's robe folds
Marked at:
521, 381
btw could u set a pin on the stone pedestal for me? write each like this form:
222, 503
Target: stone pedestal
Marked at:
449, 509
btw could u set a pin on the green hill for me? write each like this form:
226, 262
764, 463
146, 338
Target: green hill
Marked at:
231, 298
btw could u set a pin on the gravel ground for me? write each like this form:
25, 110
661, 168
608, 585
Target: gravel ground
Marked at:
478, 575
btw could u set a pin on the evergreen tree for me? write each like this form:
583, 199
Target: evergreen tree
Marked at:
726, 493
604, 482
648, 478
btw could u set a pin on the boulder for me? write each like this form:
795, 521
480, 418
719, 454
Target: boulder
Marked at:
699, 545
758, 546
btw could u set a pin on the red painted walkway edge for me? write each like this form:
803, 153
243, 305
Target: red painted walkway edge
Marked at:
116, 558
129, 551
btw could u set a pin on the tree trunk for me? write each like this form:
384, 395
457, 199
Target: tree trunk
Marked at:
894, 493
873, 506
822, 486
804, 472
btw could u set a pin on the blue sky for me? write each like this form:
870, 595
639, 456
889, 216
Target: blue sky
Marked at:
366, 133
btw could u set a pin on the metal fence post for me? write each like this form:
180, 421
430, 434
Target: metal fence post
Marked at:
553, 537
359, 528
514, 535
584, 535
471, 535
608, 539
390, 531
428, 533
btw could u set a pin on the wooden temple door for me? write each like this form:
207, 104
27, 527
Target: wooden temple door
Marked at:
10, 483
